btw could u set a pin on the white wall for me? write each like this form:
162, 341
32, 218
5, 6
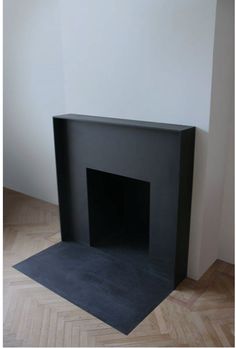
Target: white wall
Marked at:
224, 105
220, 153
33, 93
139, 59
226, 236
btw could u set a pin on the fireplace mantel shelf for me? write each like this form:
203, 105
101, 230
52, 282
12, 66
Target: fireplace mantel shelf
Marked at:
125, 122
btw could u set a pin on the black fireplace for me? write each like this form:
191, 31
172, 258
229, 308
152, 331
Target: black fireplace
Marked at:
129, 183
124, 192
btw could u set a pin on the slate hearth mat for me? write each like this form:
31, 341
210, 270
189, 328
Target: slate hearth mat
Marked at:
120, 294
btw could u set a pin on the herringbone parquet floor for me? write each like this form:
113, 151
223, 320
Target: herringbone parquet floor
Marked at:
196, 314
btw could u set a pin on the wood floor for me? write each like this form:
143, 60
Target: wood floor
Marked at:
196, 314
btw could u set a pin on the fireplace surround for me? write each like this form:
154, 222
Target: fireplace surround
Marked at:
124, 192
157, 156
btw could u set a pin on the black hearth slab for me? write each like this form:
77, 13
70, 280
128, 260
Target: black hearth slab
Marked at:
124, 122
120, 294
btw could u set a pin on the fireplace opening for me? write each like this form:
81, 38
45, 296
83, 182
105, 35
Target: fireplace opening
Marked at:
118, 213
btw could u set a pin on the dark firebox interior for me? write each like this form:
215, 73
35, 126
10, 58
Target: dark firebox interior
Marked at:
118, 213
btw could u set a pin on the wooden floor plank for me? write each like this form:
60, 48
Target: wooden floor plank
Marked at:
195, 314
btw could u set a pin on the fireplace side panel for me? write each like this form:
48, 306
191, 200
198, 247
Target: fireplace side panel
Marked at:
184, 204
63, 177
